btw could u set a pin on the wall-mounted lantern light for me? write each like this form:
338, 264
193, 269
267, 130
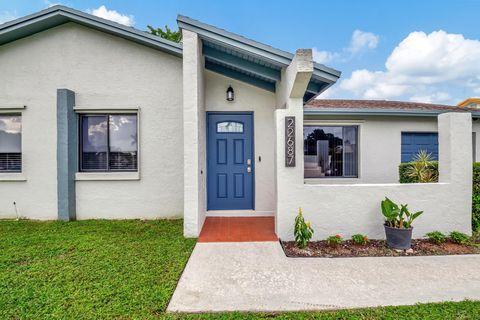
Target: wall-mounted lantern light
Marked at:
230, 94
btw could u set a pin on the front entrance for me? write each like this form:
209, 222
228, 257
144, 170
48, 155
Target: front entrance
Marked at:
230, 162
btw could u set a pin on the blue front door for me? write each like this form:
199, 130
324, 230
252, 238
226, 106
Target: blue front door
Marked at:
230, 163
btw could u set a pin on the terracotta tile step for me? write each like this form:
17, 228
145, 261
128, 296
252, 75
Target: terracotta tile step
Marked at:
238, 229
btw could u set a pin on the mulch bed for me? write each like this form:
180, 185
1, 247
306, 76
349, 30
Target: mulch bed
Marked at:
377, 248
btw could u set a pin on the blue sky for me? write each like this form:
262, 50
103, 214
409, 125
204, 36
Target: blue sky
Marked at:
398, 50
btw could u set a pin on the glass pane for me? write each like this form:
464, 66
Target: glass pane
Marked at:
229, 126
123, 142
350, 151
94, 143
10, 143
330, 151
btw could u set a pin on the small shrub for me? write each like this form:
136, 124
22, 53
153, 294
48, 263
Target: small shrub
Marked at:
476, 197
459, 237
421, 170
436, 237
303, 230
360, 239
334, 240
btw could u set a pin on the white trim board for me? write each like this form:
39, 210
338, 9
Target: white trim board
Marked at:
2, 108
239, 213
106, 109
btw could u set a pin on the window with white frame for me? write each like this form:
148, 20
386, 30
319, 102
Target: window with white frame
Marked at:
108, 142
330, 151
10, 143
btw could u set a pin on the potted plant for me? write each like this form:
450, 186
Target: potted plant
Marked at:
398, 224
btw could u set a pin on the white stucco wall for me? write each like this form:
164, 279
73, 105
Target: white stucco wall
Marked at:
379, 145
194, 134
262, 103
103, 70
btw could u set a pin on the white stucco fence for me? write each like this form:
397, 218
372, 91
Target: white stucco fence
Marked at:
355, 208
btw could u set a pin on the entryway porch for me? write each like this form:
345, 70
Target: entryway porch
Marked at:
238, 229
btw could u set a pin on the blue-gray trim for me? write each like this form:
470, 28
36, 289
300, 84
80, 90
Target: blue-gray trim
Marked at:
280, 57
67, 154
233, 61
378, 112
57, 15
231, 73
260, 51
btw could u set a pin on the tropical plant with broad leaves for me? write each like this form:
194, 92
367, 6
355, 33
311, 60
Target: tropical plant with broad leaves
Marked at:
421, 169
303, 230
398, 216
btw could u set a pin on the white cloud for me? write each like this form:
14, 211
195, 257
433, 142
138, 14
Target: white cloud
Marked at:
360, 42
6, 16
438, 97
323, 56
329, 93
420, 67
113, 15
51, 4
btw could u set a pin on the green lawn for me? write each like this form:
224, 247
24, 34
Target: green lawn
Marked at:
127, 270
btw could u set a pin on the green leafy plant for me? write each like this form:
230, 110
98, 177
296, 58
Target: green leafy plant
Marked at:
421, 170
360, 239
303, 230
436, 237
334, 240
398, 216
459, 237
476, 197
166, 33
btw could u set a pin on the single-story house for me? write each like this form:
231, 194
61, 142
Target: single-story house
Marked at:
103, 121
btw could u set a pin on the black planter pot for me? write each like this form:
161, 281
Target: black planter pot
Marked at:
398, 238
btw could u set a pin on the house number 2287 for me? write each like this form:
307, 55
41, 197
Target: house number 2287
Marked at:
289, 141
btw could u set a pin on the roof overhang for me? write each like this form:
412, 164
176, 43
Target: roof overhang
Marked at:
58, 15
377, 112
251, 61
225, 52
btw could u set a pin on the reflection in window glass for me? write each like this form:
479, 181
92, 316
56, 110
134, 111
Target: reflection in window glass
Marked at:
109, 143
330, 151
229, 126
10, 143
123, 142
94, 143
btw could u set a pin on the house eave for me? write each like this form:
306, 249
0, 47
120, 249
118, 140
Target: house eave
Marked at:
58, 15
270, 55
377, 112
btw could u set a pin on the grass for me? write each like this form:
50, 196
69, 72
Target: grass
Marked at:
128, 270
89, 269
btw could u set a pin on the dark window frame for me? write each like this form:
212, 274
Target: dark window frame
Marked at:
357, 150
80, 144
15, 114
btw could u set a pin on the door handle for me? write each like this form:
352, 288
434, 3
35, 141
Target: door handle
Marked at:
249, 169
249, 162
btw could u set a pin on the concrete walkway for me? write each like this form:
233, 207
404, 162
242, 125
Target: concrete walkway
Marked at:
256, 276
